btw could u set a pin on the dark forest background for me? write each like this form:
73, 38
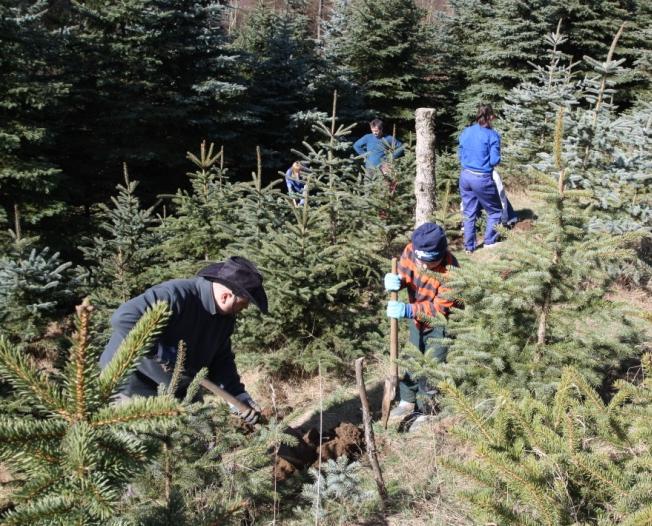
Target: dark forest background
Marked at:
88, 86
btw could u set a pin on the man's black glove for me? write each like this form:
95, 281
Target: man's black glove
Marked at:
252, 415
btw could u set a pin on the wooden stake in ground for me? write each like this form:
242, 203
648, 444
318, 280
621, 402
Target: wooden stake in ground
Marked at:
391, 382
424, 182
369, 433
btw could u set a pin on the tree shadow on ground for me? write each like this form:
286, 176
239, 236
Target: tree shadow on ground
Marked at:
348, 410
525, 213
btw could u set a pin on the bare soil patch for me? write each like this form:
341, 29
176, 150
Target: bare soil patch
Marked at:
346, 439
524, 225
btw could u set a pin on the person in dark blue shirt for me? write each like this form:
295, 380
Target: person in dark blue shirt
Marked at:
203, 311
376, 146
479, 153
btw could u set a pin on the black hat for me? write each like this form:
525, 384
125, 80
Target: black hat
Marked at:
241, 276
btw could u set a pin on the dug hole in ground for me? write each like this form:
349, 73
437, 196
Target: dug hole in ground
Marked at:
421, 492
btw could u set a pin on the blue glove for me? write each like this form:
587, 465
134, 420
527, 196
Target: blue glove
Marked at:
398, 309
392, 282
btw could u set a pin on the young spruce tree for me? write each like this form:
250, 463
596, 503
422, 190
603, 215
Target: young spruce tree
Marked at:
70, 449
320, 266
120, 256
386, 47
207, 471
202, 222
576, 460
34, 286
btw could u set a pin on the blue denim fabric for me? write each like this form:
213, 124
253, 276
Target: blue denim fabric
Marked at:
479, 193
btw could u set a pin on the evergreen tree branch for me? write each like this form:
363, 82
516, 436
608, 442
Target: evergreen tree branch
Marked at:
80, 358
39, 391
606, 478
513, 475
177, 373
140, 413
466, 408
41, 512
137, 343
642, 517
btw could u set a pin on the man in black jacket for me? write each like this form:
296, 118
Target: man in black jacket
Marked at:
203, 312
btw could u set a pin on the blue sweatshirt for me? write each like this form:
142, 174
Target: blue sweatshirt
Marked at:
375, 149
294, 186
479, 149
196, 320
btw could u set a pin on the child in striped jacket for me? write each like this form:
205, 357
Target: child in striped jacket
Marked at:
424, 264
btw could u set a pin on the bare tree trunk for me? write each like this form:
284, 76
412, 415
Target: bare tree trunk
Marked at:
18, 231
319, 15
167, 474
233, 17
424, 183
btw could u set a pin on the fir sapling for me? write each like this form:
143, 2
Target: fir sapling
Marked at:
574, 460
74, 450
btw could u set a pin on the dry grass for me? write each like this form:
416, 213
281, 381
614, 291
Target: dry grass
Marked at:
422, 492
426, 493
298, 399
523, 202
637, 298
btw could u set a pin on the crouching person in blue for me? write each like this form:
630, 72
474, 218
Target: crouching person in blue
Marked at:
203, 312
295, 183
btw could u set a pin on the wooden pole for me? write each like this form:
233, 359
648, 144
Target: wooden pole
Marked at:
320, 7
393, 330
424, 182
391, 382
18, 231
369, 433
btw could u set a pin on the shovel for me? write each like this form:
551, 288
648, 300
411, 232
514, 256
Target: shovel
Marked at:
289, 453
391, 382
239, 405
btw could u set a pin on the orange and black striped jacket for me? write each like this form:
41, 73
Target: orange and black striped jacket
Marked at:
425, 290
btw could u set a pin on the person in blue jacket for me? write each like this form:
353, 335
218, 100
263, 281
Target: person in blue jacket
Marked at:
203, 311
376, 146
479, 153
295, 183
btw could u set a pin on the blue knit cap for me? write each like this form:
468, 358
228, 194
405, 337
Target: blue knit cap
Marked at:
429, 242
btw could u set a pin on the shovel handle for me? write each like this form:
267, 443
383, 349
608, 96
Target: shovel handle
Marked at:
393, 330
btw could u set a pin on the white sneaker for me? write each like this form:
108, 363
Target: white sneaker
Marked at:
420, 422
402, 410
493, 245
